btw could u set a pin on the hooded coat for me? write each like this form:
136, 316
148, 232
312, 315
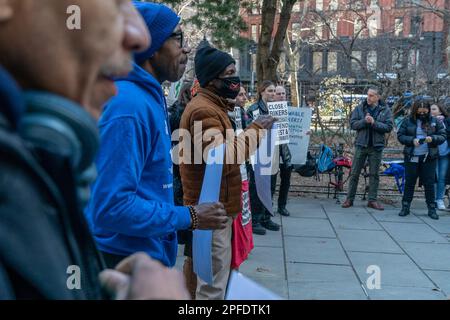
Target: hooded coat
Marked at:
132, 205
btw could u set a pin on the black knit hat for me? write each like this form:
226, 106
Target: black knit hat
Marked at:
210, 63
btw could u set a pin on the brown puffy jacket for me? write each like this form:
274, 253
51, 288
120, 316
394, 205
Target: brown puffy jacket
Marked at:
212, 112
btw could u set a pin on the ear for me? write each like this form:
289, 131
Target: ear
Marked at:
6, 10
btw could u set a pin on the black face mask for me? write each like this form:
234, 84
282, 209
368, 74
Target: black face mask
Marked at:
230, 87
422, 117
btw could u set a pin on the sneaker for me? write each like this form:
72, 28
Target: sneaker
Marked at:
270, 225
259, 229
440, 204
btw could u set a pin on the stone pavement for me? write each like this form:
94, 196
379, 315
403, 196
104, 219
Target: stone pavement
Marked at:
323, 253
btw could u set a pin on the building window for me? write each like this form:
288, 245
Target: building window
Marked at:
413, 60
255, 34
372, 60
334, 4
296, 31
317, 62
356, 4
332, 62
358, 28
319, 5
256, 7
373, 27
398, 27
357, 55
397, 59
333, 28
415, 25
318, 31
401, 3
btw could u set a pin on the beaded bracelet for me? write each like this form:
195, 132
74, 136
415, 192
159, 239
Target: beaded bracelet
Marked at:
194, 217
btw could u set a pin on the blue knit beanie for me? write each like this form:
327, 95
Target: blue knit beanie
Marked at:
160, 21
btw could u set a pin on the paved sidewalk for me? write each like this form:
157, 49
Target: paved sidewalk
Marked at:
324, 251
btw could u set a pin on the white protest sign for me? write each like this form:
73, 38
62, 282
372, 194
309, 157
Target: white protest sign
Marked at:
280, 111
299, 125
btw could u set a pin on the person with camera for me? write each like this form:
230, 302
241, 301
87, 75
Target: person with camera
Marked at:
421, 134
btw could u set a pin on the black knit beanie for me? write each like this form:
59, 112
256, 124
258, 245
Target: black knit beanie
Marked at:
210, 63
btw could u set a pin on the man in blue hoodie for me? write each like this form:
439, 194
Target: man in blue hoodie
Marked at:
132, 205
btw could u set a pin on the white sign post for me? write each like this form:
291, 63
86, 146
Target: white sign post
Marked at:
299, 125
280, 111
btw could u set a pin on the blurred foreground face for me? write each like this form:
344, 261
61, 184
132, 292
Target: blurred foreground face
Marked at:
41, 51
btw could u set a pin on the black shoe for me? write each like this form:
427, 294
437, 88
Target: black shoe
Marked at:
270, 225
283, 212
432, 211
259, 229
405, 209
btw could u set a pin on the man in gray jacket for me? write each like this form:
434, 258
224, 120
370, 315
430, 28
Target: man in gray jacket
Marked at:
372, 120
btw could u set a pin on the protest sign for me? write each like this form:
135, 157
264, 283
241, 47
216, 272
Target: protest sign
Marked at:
299, 126
280, 111
202, 239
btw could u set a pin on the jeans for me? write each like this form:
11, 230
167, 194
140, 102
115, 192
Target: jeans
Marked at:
441, 173
285, 175
427, 173
359, 161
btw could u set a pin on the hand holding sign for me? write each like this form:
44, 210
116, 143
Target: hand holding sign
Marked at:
266, 121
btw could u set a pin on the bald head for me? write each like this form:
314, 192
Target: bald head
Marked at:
42, 52
280, 94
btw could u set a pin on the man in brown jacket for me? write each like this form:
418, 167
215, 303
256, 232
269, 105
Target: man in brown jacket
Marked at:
207, 122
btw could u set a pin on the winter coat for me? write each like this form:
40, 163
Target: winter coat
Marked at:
383, 125
408, 132
132, 205
212, 111
44, 238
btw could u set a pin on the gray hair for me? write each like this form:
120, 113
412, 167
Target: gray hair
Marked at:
375, 89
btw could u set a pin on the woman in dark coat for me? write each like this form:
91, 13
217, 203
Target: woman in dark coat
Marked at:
421, 134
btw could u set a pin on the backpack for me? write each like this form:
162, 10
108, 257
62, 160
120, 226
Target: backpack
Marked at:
325, 161
309, 169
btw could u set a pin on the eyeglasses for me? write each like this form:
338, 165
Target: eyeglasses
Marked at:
178, 36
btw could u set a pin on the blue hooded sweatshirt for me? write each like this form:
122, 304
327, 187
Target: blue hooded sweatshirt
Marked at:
132, 203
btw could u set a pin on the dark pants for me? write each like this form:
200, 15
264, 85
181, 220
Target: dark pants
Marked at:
359, 161
285, 175
427, 173
259, 212
112, 260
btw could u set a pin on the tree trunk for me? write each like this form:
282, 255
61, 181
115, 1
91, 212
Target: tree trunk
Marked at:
447, 35
269, 10
269, 51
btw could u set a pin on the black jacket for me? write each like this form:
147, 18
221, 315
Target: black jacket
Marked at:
383, 125
260, 108
408, 132
42, 229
